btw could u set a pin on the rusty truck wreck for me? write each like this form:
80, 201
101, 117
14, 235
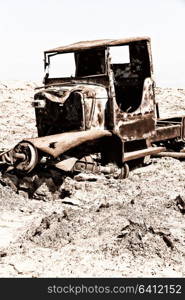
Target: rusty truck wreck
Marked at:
102, 117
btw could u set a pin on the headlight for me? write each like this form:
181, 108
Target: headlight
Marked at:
39, 103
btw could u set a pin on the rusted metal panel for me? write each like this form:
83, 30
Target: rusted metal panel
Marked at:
137, 128
135, 116
96, 43
144, 105
57, 144
66, 164
166, 132
148, 99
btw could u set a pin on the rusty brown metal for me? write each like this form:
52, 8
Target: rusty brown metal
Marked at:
166, 132
178, 155
67, 108
57, 144
23, 156
66, 164
141, 153
137, 128
96, 43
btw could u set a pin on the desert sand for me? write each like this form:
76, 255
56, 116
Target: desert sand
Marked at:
98, 227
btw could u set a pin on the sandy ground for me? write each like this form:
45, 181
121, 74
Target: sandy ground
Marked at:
100, 227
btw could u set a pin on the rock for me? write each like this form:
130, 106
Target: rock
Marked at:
70, 201
86, 177
102, 205
180, 204
3, 253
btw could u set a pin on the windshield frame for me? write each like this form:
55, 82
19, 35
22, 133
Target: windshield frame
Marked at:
48, 62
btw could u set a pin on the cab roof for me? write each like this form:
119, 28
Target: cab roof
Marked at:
84, 45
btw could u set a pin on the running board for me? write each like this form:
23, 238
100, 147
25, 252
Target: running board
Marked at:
141, 153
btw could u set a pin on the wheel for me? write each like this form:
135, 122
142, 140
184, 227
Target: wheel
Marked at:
25, 157
124, 172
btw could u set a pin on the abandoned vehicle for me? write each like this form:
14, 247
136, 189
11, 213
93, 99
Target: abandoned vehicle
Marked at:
97, 112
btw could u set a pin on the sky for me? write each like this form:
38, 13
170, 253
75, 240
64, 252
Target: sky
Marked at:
27, 28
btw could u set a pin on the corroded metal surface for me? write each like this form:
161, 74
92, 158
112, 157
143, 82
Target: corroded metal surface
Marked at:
57, 144
23, 157
167, 132
97, 43
66, 108
141, 122
141, 153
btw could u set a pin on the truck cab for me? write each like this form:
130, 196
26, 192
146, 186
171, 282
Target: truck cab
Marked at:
118, 93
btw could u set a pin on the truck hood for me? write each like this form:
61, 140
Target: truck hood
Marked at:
61, 93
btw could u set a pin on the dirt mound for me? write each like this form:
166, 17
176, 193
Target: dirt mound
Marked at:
54, 231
